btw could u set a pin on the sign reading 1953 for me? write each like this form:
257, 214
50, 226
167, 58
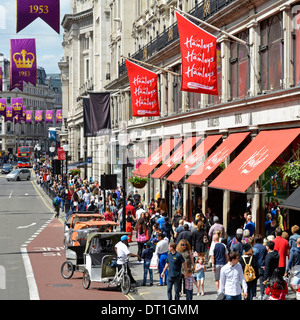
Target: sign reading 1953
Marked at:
39, 9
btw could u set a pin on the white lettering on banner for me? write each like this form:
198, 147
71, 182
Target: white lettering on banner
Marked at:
220, 156
142, 80
145, 102
144, 92
200, 72
155, 158
190, 43
192, 56
199, 59
144, 96
257, 158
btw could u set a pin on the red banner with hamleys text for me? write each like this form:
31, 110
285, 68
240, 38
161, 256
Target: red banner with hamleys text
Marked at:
199, 58
144, 91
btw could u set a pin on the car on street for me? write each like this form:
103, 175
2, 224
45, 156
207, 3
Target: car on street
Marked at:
19, 174
7, 168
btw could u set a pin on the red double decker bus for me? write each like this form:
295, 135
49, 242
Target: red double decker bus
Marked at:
25, 157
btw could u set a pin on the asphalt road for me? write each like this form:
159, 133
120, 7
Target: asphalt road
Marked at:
22, 213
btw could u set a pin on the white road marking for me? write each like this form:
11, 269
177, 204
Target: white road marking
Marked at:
33, 290
10, 195
24, 227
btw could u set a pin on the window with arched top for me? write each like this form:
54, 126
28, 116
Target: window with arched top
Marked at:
271, 53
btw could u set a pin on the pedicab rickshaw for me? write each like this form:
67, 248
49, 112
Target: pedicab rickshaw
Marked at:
75, 243
74, 217
100, 261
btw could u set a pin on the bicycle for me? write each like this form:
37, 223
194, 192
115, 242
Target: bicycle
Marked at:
121, 278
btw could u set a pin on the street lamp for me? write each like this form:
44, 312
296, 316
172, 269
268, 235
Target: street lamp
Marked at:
66, 150
124, 140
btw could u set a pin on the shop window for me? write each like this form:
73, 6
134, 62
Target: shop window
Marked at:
194, 100
271, 51
296, 36
212, 99
177, 93
239, 67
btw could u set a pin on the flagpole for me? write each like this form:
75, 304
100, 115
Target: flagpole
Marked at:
211, 26
150, 65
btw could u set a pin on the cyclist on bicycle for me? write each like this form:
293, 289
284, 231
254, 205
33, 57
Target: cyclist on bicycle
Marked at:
123, 254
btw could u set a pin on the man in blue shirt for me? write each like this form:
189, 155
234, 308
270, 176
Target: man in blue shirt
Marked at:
260, 252
219, 257
161, 221
250, 225
174, 263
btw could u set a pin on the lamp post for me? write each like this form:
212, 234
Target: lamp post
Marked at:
66, 149
124, 140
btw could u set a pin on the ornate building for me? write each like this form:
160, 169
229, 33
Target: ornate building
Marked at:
42, 97
258, 84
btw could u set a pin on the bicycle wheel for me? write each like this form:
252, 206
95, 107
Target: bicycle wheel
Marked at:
125, 284
86, 281
67, 270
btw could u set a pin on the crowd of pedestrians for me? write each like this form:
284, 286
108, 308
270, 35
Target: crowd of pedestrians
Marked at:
182, 251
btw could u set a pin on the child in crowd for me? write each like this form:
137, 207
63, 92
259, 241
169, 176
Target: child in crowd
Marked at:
200, 268
189, 282
147, 255
277, 287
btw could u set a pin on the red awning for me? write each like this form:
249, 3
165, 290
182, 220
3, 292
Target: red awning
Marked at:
185, 147
254, 159
217, 157
157, 156
194, 158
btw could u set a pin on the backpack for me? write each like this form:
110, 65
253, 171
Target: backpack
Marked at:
249, 272
55, 201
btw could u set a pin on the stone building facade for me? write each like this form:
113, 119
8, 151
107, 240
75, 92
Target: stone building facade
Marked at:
41, 97
258, 83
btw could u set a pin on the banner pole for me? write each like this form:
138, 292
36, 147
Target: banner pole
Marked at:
150, 65
211, 26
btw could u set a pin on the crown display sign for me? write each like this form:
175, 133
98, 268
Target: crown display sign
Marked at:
23, 116
30, 10
17, 105
2, 106
9, 114
28, 116
38, 116
59, 116
49, 116
23, 63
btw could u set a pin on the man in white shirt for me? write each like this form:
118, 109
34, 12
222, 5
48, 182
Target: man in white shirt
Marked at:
123, 254
139, 211
161, 251
232, 277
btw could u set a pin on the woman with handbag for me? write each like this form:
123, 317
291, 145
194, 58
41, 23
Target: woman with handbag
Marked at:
141, 235
184, 248
199, 240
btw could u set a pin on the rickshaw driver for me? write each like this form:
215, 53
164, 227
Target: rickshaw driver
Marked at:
123, 253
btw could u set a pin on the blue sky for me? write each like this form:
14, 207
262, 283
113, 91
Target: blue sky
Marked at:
48, 42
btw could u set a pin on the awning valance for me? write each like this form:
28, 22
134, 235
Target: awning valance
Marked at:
254, 159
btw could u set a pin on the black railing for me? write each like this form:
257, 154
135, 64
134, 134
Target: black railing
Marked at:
201, 11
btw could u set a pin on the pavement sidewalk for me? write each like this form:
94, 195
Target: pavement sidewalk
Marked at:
158, 292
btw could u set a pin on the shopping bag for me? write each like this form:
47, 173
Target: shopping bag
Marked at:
154, 262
